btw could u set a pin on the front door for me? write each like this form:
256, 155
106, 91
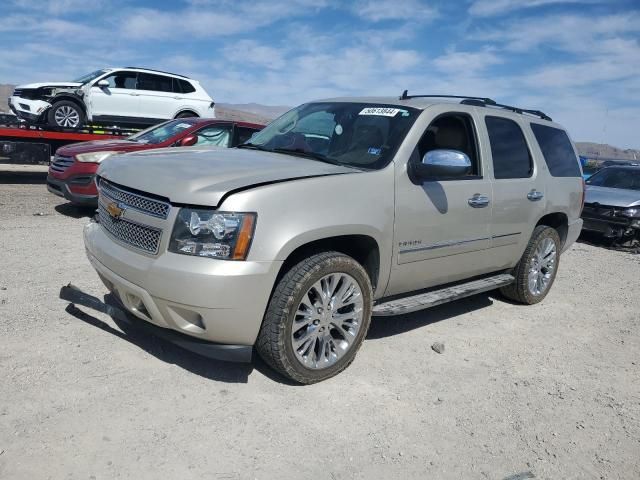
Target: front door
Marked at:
442, 226
118, 100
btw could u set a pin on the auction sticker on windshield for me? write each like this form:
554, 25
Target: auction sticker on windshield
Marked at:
381, 111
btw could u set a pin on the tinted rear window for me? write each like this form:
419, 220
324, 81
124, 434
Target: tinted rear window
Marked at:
156, 83
182, 86
511, 158
557, 151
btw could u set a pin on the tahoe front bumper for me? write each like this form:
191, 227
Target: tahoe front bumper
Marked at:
212, 300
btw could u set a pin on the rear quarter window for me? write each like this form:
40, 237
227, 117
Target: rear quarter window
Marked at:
557, 151
182, 86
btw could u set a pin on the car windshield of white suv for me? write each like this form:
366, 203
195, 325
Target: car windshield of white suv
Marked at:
160, 133
90, 76
360, 135
611, 177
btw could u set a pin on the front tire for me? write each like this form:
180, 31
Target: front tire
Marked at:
65, 114
317, 318
536, 271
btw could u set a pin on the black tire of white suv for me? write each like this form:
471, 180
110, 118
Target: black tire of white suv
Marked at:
331, 327
536, 271
65, 114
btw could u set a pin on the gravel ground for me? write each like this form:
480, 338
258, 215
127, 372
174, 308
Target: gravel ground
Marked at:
549, 391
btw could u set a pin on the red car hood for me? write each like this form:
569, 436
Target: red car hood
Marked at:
102, 146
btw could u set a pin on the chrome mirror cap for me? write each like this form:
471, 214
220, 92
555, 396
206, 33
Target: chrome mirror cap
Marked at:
447, 158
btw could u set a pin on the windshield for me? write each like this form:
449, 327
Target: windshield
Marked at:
164, 131
611, 177
360, 135
90, 76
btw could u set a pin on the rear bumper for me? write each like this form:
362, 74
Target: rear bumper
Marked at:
573, 232
62, 188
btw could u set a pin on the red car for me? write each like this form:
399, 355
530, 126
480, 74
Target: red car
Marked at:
72, 171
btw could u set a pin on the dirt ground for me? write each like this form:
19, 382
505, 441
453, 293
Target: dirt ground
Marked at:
550, 391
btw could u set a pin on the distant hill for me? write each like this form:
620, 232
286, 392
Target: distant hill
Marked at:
604, 151
5, 92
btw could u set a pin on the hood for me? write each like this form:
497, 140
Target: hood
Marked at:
101, 146
49, 84
202, 176
614, 197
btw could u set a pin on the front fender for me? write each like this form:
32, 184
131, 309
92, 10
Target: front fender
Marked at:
297, 212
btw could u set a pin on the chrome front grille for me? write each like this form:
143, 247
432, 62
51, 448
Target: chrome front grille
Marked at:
60, 163
150, 206
139, 236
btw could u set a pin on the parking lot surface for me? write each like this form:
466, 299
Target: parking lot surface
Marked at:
549, 391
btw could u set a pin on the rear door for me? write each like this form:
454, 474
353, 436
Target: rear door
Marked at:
518, 187
157, 99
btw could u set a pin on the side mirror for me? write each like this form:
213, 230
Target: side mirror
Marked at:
442, 164
103, 83
188, 141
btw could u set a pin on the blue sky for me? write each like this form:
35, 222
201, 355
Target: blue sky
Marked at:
578, 61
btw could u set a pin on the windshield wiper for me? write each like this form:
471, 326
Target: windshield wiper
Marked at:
303, 153
253, 146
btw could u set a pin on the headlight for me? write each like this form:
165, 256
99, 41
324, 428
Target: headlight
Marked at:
94, 157
631, 212
208, 233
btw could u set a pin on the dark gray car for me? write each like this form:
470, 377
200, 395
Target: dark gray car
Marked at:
612, 204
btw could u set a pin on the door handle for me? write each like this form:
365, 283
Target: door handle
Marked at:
534, 195
478, 201
177, 98
134, 94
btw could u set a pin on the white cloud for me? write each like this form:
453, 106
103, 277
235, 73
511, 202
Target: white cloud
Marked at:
380, 10
487, 8
220, 19
465, 63
253, 53
571, 33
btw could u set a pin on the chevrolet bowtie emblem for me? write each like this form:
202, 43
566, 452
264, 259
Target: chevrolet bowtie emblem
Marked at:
115, 210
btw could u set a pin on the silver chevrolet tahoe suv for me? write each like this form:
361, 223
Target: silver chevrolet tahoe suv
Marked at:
339, 210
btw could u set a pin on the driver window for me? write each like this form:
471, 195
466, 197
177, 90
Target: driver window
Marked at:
216, 136
451, 132
122, 80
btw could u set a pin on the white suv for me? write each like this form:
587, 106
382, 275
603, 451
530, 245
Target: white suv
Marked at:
132, 96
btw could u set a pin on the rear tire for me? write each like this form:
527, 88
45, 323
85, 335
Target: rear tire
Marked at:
536, 271
65, 114
308, 336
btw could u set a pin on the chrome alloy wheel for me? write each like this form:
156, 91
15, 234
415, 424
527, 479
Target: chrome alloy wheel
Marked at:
542, 266
327, 321
66, 116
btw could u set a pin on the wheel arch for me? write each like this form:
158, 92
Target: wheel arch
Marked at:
361, 247
559, 221
71, 98
186, 110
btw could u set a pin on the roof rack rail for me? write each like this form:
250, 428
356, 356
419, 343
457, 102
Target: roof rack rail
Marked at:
158, 71
480, 102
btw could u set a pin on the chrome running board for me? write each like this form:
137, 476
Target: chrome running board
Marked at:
438, 297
